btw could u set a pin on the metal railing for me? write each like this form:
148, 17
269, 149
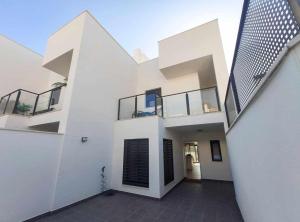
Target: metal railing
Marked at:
29, 103
194, 102
266, 26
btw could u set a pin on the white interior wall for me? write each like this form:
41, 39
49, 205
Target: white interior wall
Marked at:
28, 163
264, 148
212, 170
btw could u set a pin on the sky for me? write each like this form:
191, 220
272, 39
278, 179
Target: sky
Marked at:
133, 23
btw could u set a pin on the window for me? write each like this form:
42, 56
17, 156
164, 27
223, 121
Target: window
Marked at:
215, 147
151, 97
168, 161
55, 96
136, 162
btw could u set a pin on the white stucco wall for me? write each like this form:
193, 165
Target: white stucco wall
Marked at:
28, 164
212, 170
177, 158
141, 128
150, 77
264, 148
153, 129
13, 122
22, 68
201, 41
101, 72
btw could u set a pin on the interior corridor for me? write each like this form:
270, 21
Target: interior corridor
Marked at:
192, 161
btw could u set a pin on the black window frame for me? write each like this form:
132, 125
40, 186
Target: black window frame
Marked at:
212, 142
150, 92
142, 173
168, 161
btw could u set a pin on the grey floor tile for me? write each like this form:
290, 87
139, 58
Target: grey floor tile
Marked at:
206, 202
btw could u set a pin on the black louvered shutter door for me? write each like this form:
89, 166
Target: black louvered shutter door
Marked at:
168, 161
136, 162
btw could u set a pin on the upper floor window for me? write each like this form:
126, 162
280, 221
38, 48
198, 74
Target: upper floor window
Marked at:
151, 97
55, 96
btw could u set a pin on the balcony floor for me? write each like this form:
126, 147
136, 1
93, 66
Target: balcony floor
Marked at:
206, 202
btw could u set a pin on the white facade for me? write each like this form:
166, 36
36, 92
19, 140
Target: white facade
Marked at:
21, 69
28, 163
99, 73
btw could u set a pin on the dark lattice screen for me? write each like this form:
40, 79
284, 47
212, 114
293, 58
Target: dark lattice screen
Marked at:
168, 161
136, 162
266, 27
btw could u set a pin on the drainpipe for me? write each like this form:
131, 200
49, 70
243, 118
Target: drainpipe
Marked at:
295, 5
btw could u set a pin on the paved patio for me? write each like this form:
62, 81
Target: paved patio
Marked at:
206, 202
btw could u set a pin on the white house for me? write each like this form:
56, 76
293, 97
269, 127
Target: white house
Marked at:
87, 117
109, 122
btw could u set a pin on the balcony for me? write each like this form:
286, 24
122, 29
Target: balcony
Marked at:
27, 103
195, 102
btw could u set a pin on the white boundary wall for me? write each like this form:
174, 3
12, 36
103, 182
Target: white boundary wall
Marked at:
264, 148
28, 164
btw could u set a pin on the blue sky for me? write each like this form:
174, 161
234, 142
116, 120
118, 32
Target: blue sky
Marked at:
133, 23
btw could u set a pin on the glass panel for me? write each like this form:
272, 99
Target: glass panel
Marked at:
230, 106
195, 100
43, 103
151, 96
175, 105
26, 103
11, 103
127, 108
142, 108
159, 105
209, 100
3, 104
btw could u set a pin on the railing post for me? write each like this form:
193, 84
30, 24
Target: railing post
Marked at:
17, 101
119, 104
135, 107
218, 100
6, 104
1, 100
50, 100
187, 103
35, 104
155, 101
162, 106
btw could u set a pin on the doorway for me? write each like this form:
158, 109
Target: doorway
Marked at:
192, 161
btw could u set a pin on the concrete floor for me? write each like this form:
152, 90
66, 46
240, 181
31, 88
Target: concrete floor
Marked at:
206, 202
